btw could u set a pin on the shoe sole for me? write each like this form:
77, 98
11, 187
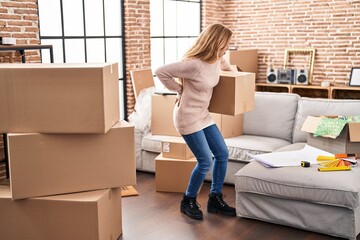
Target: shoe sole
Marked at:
215, 211
197, 217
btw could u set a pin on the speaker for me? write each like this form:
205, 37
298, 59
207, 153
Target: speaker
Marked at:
302, 77
271, 75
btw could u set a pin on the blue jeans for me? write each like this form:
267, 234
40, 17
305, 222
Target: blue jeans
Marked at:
204, 144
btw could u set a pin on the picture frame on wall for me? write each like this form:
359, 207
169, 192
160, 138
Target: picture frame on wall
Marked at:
355, 77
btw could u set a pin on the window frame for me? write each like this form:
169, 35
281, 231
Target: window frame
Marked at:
84, 37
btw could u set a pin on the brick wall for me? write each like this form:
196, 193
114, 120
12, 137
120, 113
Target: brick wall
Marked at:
211, 12
19, 19
137, 42
332, 27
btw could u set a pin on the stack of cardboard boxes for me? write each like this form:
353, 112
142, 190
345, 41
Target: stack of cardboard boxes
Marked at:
68, 152
173, 166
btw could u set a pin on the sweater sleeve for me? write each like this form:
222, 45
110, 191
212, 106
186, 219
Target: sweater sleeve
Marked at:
185, 70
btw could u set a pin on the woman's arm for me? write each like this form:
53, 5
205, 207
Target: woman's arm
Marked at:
183, 70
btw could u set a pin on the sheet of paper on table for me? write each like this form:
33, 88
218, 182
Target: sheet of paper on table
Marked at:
290, 158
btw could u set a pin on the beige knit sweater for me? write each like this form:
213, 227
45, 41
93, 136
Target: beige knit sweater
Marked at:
199, 78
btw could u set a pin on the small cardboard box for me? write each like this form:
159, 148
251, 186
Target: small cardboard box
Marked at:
172, 175
48, 164
93, 215
234, 94
347, 142
246, 60
58, 98
175, 147
229, 126
162, 107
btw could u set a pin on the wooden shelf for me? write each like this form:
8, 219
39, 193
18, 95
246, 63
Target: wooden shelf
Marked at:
312, 91
345, 92
264, 87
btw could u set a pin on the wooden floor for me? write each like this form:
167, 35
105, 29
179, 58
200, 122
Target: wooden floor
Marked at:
156, 216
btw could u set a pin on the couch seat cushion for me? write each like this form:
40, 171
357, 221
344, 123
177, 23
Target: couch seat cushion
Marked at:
291, 147
238, 146
338, 188
241, 145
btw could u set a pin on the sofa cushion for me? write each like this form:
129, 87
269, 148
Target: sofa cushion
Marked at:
291, 147
241, 145
321, 107
273, 115
238, 146
338, 188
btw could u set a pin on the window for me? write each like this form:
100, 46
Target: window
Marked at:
83, 32
175, 25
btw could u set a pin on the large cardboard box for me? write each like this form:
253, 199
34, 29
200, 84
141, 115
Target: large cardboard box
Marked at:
58, 98
229, 126
48, 164
175, 147
347, 142
94, 215
162, 107
234, 93
172, 175
246, 60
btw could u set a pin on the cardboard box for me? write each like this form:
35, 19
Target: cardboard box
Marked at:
162, 107
58, 98
94, 215
48, 164
141, 79
234, 93
172, 175
246, 60
175, 147
229, 126
347, 142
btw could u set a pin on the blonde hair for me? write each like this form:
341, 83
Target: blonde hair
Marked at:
210, 41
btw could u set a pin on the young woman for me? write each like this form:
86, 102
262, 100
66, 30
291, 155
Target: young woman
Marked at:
199, 73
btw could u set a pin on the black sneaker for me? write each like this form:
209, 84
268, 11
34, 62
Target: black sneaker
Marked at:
191, 208
216, 204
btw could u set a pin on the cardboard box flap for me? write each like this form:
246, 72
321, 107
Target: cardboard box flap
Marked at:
354, 129
310, 124
141, 79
